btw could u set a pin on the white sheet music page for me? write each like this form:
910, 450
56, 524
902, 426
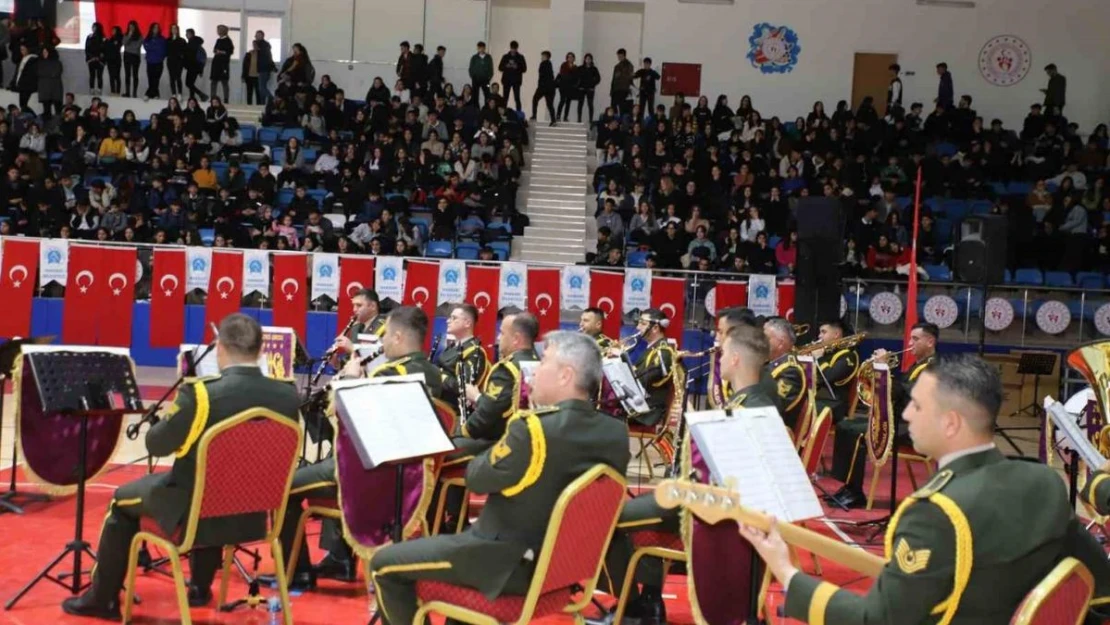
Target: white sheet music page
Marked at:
753, 449
624, 382
391, 421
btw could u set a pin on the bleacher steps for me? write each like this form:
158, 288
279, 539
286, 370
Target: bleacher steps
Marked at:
553, 194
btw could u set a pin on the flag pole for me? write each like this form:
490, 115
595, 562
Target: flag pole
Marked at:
911, 291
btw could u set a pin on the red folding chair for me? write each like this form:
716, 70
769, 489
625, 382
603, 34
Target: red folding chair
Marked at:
244, 465
1061, 598
567, 567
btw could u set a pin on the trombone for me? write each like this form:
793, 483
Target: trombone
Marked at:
801, 329
711, 352
846, 342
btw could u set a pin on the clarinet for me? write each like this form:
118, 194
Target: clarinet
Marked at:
435, 346
331, 352
465, 378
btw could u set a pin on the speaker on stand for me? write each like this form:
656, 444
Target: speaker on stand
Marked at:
980, 259
820, 252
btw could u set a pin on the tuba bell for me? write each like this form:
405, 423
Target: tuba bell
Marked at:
1093, 361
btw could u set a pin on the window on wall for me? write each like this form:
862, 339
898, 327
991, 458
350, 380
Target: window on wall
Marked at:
75, 20
204, 22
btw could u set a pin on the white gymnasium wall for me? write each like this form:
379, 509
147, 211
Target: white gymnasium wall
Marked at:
610, 26
523, 21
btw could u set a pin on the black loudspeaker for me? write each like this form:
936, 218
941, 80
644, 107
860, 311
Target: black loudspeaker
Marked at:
820, 218
981, 249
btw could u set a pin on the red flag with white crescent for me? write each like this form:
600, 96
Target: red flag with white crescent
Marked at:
669, 296
607, 293
118, 266
786, 299
289, 292
355, 273
482, 290
421, 289
86, 290
17, 286
225, 289
730, 294
543, 297
167, 298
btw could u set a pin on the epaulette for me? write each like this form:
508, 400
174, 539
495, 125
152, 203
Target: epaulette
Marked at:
207, 378
536, 412
935, 485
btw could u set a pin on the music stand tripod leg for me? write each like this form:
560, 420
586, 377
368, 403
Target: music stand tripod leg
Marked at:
13, 492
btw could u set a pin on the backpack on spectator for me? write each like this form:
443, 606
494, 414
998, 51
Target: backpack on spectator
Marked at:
202, 56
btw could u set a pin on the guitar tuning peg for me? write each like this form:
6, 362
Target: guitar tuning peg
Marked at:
730, 484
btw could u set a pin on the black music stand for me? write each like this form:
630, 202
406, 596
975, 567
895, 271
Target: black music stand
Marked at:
1035, 364
9, 354
83, 385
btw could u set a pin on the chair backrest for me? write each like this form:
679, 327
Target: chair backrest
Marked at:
1060, 598
447, 414
808, 408
245, 464
818, 435
578, 533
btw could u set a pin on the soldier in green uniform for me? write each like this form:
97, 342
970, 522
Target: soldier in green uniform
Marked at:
717, 388
592, 323
968, 546
836, 371
463, 361
655, 367
923, 344
165, 497
501, 397
402, 342
743, 354
368, 320
539, 454
786, 375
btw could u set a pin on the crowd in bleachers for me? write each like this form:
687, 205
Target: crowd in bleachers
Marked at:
690, 185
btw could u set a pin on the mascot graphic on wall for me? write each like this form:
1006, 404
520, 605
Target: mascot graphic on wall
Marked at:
774, 49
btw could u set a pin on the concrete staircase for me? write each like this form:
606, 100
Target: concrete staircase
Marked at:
245, 114
553, 195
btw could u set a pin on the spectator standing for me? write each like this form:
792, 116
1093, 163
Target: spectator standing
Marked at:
49, 73
419, 72
262, 66
94, 58
404, 65
1054, 94
195, 60
222, 51
647, 79
946, 92
26, 81
588, 79
545, 88
177, 51
113, 60
568, 86
620, 87
156, 48
435, 71
481, 71
132, 55
894, 91
513, 65
5, 41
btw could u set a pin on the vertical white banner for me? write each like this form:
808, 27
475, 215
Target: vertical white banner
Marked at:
389, 278
256, 272
325, 276
452, 281
763, 295
575, 293
53, 261
637, 289
198, 268
514, 286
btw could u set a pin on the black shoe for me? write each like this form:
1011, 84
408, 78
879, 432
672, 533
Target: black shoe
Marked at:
199, 597
852, 499
303, 581
86, 605
648, 609
333, 567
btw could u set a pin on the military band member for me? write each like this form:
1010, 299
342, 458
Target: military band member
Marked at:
464, 361
538, 455
727, 319
923, 345
743, 354
592, 323
655, 367
403, 345
787, 376
1096, 492
165, 497
368, 320
971, 543
836, 371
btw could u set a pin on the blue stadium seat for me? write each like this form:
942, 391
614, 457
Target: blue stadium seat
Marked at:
999, 188
955, 210
423, 224
1029, 275
284, 197
981, 207
1090, 280
944, 232
969, 301
207, 235
1007, 276
269, 135
773, 241
1019, 188
467, 250
938, 272
249, 169
502, 248
439, 249
310, 155
249, 133
1080, 309
946, 149
637, 259
1058, 279
286, 133
789, 126
317, 194
220, 167
277, 155
144, 124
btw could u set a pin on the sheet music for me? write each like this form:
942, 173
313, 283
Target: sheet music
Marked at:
528, 370
391, 420
1079, 440
88, 349
208, 365
624, 382
752, 448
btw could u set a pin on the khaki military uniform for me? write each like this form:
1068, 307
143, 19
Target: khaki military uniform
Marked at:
317, 481
499, 401
965, 549
839, 370
655, 371
642, 514
460, 364
166, 496
850, 430
788, 386
523, 474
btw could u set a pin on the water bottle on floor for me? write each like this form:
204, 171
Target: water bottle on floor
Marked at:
273, 606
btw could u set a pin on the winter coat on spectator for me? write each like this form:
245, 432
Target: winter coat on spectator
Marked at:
221, 59
157, 48
49, 74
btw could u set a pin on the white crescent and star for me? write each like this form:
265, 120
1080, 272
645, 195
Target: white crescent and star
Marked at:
224, 294
417, 291
162, 284
296, 288
16, 282
605, 300
83, 274
117, 276
478, 298
353, 287
541, 297
665, 307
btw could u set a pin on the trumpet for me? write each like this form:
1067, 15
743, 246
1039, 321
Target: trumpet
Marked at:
846, 342
801, 329
704, 352
629, 342
865, 378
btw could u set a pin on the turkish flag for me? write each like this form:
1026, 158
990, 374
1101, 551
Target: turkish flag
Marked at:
167, 298
786, 300
669, 296
421, 289
355, 273
225, 289
86, 291
730, 294
290, 297
114, 323
17, 286
483, 287
607, 293
543, 297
